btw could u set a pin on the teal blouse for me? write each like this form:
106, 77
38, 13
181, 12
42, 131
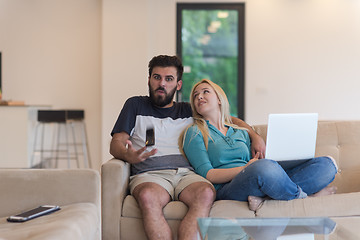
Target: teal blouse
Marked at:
232, 150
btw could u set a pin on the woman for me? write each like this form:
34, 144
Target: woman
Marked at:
220, 151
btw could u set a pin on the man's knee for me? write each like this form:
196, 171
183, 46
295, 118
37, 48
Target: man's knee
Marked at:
200, 192
206, 192
149, 195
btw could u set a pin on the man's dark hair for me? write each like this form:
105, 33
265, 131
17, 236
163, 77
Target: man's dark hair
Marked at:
167, 61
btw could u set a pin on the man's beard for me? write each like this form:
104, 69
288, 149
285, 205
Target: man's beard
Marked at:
161, 101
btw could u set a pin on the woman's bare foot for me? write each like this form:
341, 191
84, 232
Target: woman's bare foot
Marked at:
329, 190
255, 202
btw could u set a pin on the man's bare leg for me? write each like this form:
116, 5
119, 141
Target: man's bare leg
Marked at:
199, 198
152, 198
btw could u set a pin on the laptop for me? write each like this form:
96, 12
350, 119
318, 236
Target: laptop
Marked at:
291, 138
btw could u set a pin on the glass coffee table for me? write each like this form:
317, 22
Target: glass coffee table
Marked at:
278, 228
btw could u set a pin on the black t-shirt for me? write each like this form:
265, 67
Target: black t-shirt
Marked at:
139, 114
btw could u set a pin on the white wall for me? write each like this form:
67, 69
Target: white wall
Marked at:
124, 59
301, 56
51, 54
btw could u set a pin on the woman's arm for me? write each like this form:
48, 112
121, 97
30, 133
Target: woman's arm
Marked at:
196, 152
224, 175
257, 143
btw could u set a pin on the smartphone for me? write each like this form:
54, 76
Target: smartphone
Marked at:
150, 137
33, 213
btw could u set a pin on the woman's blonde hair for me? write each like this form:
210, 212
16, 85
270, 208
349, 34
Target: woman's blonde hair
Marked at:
200, 122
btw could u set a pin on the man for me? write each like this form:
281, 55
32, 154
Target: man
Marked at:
160, 173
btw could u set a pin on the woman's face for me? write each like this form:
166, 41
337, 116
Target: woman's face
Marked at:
205, 100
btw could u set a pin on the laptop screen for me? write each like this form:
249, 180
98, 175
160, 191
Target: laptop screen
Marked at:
291, 136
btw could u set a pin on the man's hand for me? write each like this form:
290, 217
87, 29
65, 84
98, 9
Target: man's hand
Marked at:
136, 156
257, 143
257, 146
121, 148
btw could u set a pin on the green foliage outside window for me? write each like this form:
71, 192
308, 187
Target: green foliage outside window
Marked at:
210, 50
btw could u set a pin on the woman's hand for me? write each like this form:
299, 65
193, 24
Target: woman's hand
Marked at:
253, 159
223, 175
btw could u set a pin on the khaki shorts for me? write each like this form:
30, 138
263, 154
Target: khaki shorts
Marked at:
173, 181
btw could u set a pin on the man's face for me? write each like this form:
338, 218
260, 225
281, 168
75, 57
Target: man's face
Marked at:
163, 84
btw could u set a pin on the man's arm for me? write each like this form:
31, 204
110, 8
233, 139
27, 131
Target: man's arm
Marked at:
257, 143
121, 148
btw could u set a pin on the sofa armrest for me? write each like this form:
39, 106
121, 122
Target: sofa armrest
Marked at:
23, 189
115, 175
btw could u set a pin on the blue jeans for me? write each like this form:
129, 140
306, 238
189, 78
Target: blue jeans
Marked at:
267, 178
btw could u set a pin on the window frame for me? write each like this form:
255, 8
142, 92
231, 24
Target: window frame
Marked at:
240, 8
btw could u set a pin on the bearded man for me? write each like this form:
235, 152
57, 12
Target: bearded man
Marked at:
159, 173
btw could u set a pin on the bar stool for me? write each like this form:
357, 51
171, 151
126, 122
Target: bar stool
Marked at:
64, 120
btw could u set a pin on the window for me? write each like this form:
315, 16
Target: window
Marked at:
210, 42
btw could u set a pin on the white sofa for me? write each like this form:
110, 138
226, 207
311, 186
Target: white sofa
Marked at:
122, 219
77, 192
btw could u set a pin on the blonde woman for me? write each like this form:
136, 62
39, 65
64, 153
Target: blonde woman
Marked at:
220, 151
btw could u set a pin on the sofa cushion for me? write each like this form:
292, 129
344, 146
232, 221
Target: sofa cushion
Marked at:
332, 206
173, 210
74, 221
341, 140
28, 188
231, 209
